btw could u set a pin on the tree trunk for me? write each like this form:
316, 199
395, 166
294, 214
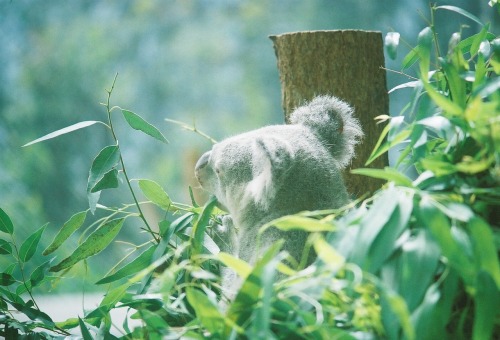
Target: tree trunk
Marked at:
346, 64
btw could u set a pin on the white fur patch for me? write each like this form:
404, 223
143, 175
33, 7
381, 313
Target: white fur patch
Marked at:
261, 188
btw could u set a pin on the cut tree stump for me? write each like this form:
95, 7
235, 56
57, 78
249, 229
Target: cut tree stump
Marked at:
347, 64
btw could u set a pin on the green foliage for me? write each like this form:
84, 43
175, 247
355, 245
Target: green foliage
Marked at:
416, 260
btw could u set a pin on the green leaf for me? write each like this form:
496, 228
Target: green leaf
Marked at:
84, 330
419, 262
95, 243
6, 279
427, 318
139, 263
201, 224
103, 163
5, 223
294, 222
109, 180
138, 123
442, 101
479, 38
33, 314
372, 223
484, 248
486, 307
250, 292
38, 274
411, 58
5, 247
155, 193
395, 139
384, 244
461, 12
328, 255
391, 43
29, 246
206, 312
440, 228
75, 222
63, 131
388, 173
242, 268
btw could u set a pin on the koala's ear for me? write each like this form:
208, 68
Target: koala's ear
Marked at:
271, 158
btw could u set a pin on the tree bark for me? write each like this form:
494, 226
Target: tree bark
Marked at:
347, 64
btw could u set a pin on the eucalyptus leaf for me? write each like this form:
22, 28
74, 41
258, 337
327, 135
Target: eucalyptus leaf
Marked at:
5, 223
106, 160
155, 193
5, 247
294, 222
68, 228
6, 279
487, 301
388, 174
461, 11
28, 248
95, 243
201, 224
133, 267
63, 131
207, 313
84, 330
108, 181
138, 123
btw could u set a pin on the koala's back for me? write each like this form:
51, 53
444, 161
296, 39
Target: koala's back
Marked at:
311, 178
305, 176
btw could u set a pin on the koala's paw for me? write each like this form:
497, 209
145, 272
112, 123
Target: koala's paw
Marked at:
225, 234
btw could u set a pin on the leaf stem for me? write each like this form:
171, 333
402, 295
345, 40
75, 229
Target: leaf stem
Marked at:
141, 214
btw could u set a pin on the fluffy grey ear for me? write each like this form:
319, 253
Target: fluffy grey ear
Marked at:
271, 158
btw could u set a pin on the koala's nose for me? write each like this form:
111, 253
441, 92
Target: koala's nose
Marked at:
203, 161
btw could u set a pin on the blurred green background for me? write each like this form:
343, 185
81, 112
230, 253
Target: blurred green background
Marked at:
208, 63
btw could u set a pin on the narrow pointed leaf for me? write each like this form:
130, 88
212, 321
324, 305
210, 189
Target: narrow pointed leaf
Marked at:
109, 180
84, 330
486, 304
139, 263
75, 222
205, 310
138, 123
5, 223
389, 174
155, 193
104, 161
102, 164
294, 222
6, 279
95, 243
201, 224
461, 12
38, 274
29, 246
63, 131
5, 247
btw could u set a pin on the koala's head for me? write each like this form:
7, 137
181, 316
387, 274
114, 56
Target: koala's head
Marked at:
240, 170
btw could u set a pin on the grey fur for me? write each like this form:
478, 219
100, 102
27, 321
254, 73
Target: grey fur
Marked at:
279, 170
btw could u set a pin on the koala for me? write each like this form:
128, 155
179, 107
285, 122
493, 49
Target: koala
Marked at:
277, 170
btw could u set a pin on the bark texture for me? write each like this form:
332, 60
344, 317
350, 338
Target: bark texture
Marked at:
347, 64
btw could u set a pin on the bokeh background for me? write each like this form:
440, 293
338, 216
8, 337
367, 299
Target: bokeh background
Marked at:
206, 63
